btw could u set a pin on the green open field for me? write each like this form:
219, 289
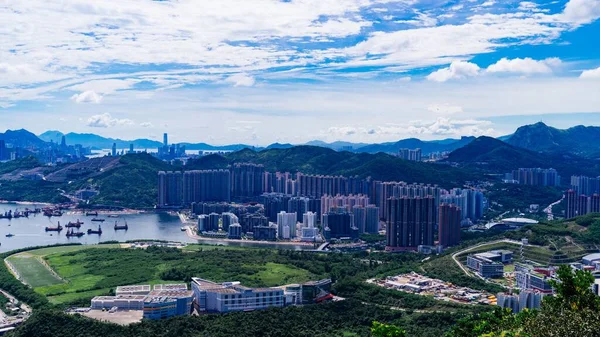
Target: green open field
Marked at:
88, 271
32, 271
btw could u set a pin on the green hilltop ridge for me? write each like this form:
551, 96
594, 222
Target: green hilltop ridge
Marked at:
495, 156
318, 160
579, 140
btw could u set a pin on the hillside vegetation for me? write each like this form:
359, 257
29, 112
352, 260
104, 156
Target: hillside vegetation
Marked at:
495, 156
317, 160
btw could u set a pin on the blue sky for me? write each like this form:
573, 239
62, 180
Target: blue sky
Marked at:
263, 71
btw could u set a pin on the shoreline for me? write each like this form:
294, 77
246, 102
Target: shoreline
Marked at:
190, 234
26, 203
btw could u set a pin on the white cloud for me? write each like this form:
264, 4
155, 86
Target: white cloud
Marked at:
590, 74
582, 11
87, 97
452, 127
105, 120
241, 80
488, 3
456, 70
104, 86
446, 109
146, 125
525, 66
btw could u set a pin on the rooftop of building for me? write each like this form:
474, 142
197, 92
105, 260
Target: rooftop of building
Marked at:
502, 251
523, 221
592, 257
172, 293
173, 286
158, 299
120, 297
134, 288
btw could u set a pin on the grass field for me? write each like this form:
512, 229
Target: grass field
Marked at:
279, 274
88, 271
32, 271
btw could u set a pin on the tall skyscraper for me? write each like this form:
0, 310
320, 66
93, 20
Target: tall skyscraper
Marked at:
582, 205
309, 220
372, 219
410, 222
247, 180
340, 224
165, 140
131, 148
360, 218
229, 219
3, 152
114, 150
571, 210
449, 225
410, 154
170, 189
206, 185
286, 225
536, 176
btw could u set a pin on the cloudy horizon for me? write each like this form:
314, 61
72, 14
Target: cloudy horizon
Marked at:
293, 71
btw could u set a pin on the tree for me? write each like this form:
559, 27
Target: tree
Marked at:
386, 330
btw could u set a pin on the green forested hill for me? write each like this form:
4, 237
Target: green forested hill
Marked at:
318, 160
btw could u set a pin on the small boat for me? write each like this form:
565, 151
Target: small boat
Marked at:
91, 213
183, 229
91, 231
71, 233
54, 229
121, 227
74, 224
9, 235
98, 220
113, 215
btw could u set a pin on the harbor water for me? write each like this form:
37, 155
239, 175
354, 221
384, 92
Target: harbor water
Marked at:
30, 231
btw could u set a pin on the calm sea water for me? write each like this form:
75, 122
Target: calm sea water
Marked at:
29, 232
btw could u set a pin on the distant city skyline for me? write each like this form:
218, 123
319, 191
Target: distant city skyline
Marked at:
504, 125
360, 70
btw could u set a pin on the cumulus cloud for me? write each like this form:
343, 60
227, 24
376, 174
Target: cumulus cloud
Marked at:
452, 127
241, 80
456, 70
590, 74
582, 11
526, 66
89, 96
105, 120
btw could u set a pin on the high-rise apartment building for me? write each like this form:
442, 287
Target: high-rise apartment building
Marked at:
449, 225
470, 201
286, 225
3, 150
372, 219
170, 189
114, 150
339, 224
347, 202
585, 185
309, 220
536, 176
247, 180
206, 185
571, 210
410, 222
410, 154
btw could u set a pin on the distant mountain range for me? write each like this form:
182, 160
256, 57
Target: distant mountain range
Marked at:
22, 138
426, 147
99, 142
495, 156
580, 140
